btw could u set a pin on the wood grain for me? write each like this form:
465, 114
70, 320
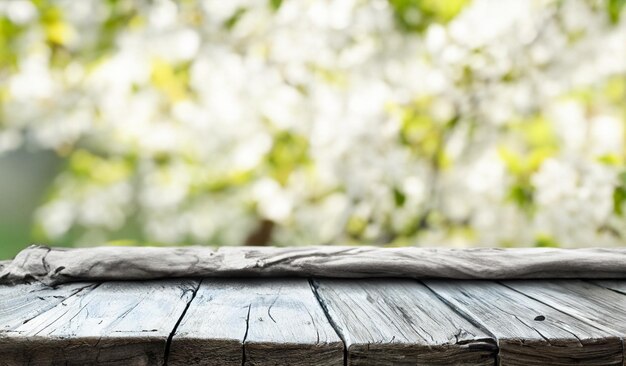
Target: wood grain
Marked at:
401, 322
277, 321
114, 324
598, 306
58, 265
528, 331
255, 322
615, 285
21, 303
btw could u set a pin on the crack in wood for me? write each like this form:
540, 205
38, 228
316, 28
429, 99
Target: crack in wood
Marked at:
245, 336
314, 287
328, 321
269, 308
62, 298
80, 300
168, 343
461, 313
509, 315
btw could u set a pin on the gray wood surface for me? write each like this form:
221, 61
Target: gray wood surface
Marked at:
528, 331
113, 324
615, 285
255, 322
401, 322
286, 321
58, 265
598, 306
21, 303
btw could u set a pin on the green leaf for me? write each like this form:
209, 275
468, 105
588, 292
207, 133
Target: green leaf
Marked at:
619, 194
610, 159
289, 152
231, 22
399, 197
417, 15
521, 193
10, 36
275, 4
103, 170
546, 241
614, 9
356, 226
622, 179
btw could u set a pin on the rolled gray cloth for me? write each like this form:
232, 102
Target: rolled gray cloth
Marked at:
58, 265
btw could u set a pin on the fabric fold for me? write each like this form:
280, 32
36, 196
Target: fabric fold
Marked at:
59, 265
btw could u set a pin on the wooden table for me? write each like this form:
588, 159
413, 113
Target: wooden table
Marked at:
297, 321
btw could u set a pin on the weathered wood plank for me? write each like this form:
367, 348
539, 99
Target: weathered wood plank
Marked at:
615, 285
598, 306
255, 322
529, 332
20, 303
114, 324
401, 322
58, 265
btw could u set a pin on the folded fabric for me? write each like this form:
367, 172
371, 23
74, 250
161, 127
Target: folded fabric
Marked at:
58, 265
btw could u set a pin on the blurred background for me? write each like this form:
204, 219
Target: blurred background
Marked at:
300, 122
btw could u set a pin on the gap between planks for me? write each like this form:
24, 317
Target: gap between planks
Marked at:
125, 323
314, 289
255, 321
474, 320
331, 321
618, 288
569, 307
